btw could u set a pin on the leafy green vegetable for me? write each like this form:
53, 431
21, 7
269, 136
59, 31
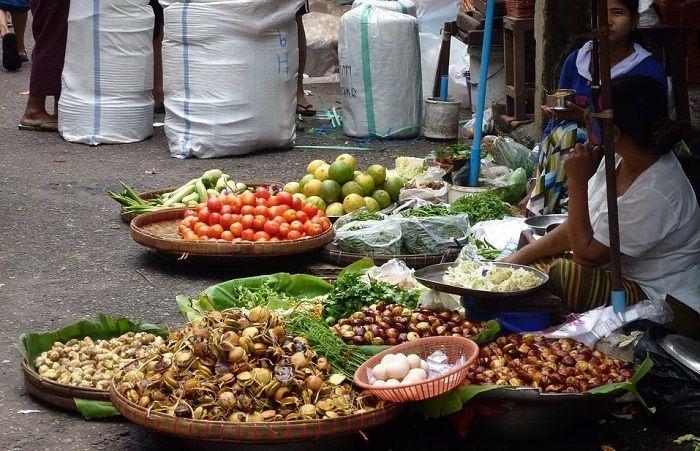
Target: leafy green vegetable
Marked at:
516, 188
370, 238
350, 294
433, 234
427, 210
366, 215
33, 344
92, 409
689, 438
480, 207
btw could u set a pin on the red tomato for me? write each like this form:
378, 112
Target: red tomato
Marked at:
279, 220
203, 231
302, 216
203, 214
289, 215
326, 223
259, 222
247, 210
271, 228
261, 236
272, 201
260, 210
226, 220
274, 238
199, 207
275, 210
237, 240
203, 238
197, 226
189, 213
215, 231
190, 236
294, 235
236, 217
248, 234
236, 229
312, 229
261, 192
260, 201
213, 203
247, 221
247, 198
214, 218
226, 199
284, 197
236, 203
321, 213
227, 235
298, 226
297, 204
285, 207
182, 228
310, 209
226, 208
284, 230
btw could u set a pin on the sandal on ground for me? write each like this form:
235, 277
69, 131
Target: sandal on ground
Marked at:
10, 55
48, 125
23, 57
306, 110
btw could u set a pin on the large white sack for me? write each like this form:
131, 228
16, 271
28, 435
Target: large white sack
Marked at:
380, 73
108, 73
400, 6
432, 14
230, 71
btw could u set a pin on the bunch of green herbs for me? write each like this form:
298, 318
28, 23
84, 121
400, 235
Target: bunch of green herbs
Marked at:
484, 206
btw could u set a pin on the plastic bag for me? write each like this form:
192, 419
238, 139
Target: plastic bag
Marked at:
486, 127
424, 187
438, 301
396, 273
433, 234
499, 232
600, 322
370, 237
509, 153
352, 217
669, 386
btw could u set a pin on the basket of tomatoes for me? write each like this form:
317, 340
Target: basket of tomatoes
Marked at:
249, 224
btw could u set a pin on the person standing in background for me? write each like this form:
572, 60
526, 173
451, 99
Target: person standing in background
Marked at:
50, 30
13, 50
304, 107
158, 96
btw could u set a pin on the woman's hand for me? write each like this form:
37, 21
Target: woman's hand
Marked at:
580, 164
574, 114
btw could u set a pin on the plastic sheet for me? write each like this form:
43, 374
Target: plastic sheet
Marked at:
370, 237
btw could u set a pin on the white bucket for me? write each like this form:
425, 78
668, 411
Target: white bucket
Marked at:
441, 119
455, 191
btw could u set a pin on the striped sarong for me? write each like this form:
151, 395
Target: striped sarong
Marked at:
550, 194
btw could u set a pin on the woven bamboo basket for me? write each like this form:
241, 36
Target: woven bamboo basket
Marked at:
127, 217
331, 254
159, 230
57, 394
277, 432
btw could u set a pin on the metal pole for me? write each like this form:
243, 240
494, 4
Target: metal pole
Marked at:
617, 294
475, 160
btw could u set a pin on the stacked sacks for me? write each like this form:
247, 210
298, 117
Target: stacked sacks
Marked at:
230, 71
108, 73
400, 6
380, 73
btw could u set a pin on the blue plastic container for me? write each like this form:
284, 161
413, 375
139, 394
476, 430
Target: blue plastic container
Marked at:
511, 322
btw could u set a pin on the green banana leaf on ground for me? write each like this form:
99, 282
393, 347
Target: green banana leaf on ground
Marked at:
453, 400
32, 344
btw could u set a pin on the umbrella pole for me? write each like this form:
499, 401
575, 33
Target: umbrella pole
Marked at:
617, 294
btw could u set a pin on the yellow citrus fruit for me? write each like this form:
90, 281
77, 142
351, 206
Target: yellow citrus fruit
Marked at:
311, 168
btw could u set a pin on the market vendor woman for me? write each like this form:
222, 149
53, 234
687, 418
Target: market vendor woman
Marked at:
565, 128
658, 214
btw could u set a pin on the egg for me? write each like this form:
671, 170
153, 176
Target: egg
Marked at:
388, 358
379, 372
372, 380
417, 373
379, 383
409, 380
413, 361
401, 358
424, 365
398, 369
391, 383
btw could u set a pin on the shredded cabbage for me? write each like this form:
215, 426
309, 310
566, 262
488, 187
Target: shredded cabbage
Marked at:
468, 274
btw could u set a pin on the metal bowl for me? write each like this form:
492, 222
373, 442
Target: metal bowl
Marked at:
558, 99
545, 223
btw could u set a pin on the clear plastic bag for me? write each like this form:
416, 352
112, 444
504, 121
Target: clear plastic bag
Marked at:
352, 217
423, 187
370, 237
433, 234
395, 272
513, 155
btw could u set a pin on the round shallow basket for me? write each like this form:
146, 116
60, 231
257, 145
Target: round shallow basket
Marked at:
159, 230
56, 394
127, 217
331, 254
276, 432
453, 347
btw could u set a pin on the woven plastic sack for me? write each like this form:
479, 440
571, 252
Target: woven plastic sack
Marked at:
400, 6
370, 237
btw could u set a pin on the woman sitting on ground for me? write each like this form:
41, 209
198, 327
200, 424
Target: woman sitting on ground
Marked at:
565, 128
658, 212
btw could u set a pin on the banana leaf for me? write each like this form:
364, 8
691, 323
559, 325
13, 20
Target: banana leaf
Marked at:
452, 401
227, 294
33, 344
92, 409
488, 334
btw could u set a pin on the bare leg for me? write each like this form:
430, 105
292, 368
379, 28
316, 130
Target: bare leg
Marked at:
158, 96
35, 113
19, 20
4, 27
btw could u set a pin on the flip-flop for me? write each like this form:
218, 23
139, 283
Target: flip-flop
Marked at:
10, 55
39, 126
306, 110
23, 57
